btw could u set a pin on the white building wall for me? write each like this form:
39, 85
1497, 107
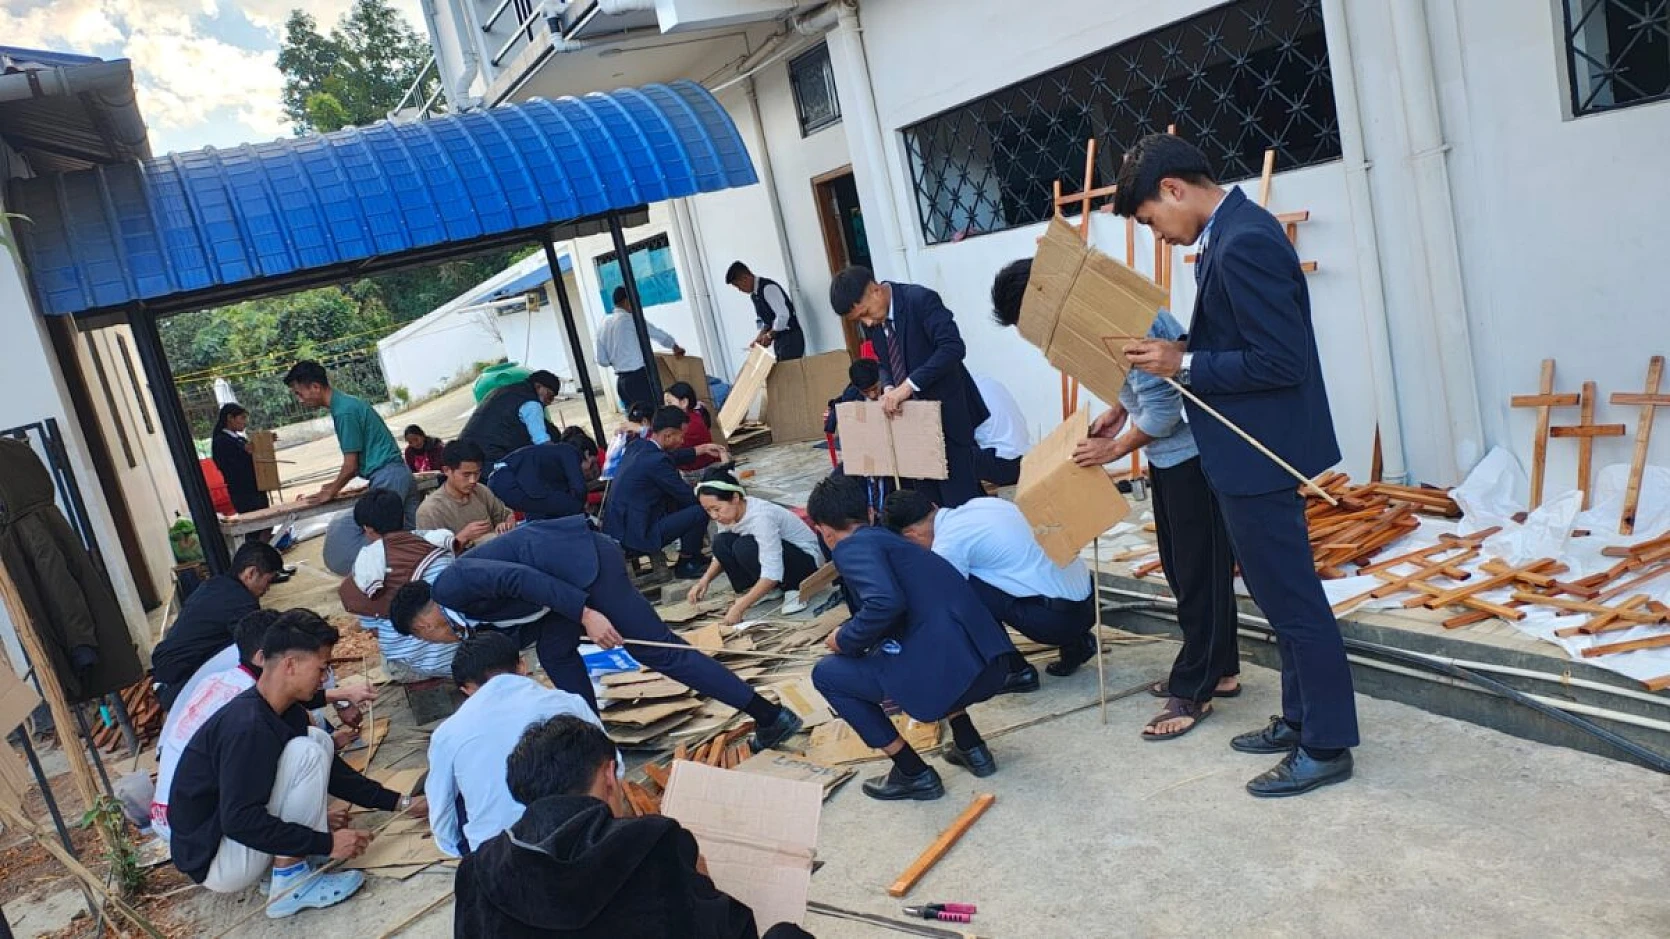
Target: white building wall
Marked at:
32, 389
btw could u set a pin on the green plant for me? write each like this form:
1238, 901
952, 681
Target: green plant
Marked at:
401, 394
125, 870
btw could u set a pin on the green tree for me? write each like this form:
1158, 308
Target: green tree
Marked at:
354, 76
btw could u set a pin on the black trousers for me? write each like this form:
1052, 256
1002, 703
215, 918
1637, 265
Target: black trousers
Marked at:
633, 388
995, 470
962, 481
739, 555
1047, 620
557, 639
1273, 545
1200, 569
687, 526
789, 344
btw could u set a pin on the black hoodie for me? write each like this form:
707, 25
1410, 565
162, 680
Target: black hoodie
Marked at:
570, 868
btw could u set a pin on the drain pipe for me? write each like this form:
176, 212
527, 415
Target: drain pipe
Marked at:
694, 259
1435, 209
1365, 241
870, 166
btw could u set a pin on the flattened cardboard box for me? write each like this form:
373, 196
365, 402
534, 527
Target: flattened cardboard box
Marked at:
797, 393
750, 381
870, 440
1082, 306
1068, 505
758, 834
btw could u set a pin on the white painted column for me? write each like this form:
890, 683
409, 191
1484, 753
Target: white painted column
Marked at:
888, 250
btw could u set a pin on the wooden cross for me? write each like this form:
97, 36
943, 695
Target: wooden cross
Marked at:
1586, 430
1543, 400
1470, 592
1649, 401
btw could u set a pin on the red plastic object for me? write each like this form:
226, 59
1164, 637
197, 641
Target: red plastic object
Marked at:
218, 493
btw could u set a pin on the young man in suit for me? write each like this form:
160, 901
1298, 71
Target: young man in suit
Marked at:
918, 636
921, 355
1251, 354
555, 583
649, 505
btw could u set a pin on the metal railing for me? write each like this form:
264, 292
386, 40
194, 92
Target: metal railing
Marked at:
415, 94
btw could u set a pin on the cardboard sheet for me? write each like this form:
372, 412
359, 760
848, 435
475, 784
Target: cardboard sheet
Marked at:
1081, 307
645, 690
647, 715
798, 391
686, 368
360, 757
709, 638
17, 699
871, 441
1068, 505
400, 849
757, 833
799, 696
262, 447
798, 768
750, 381
402, 781
14, 778
818, 581
835, 742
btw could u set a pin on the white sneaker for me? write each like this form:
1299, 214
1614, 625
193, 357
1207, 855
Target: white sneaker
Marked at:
775, 593
322, 891
792, 603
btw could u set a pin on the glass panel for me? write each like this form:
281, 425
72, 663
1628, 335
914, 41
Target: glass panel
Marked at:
1618, 53
652, 268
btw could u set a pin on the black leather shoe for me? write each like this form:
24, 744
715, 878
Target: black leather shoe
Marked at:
785, 726
1299, 773
690, 568
1023, 680
1276, 737
977, 760
1073, 655
923, 787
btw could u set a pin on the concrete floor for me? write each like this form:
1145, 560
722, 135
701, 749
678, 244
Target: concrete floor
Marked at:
1448, 828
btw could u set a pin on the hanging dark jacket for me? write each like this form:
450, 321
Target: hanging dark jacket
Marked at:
69, 600
570, 868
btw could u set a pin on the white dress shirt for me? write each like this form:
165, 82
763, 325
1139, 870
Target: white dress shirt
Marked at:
1005, 430
467, 756
777, 299
990, 539
770, 525
617, 342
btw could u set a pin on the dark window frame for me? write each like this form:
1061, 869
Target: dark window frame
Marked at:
1606, 72
800, 68
1236, 79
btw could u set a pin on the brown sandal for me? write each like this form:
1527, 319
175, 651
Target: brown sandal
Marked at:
1160, 689
1175, 708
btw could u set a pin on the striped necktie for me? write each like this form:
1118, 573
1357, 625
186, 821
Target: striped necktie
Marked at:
895, 355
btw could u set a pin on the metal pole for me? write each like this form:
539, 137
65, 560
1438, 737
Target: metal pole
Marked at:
181, 447
92, 748
22, 737
575, 350
119, 709
635, 308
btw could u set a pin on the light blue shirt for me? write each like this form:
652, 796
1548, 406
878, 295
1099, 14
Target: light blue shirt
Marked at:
533, 418
431, 659
467, 756
617, 342
1156, 408
990, 539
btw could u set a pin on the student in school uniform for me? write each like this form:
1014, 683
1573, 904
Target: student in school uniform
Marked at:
392, 558
698, 431
762, 547
918, 636
991, 543
1001, 439
555, 583
773, 311
461, 504
1251, 355
650, 506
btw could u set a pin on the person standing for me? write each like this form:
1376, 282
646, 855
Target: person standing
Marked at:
921, 355
617, 348
773, 311
368, 451
229, 448
1251, 354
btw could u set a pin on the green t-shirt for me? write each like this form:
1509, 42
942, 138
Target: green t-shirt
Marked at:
359, 429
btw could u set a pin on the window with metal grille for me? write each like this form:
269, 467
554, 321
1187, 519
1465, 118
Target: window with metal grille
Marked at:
813, 82
1236, 80
1617, 53
652, 268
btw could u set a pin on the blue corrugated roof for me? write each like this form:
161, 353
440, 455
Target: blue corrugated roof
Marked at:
531, 280
212, 226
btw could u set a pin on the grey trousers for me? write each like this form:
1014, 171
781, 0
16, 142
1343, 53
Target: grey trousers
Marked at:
343, 538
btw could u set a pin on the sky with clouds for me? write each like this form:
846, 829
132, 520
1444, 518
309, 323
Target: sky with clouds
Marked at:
205, 70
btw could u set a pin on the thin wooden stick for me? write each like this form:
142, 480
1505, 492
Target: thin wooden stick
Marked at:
1261, 448
1096, 596
743, 652
78, 870
941, 845
413, 920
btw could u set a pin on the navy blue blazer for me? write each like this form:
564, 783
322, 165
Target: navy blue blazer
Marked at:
646, 489
916, 619
1255, 357
544, 469
934, 354
550, 564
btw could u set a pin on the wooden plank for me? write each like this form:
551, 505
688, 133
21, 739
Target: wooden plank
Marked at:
1649, 402
1610, 620
1450, 597
750, 381
1633, 645
1543, 400
946, 840
262, 450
